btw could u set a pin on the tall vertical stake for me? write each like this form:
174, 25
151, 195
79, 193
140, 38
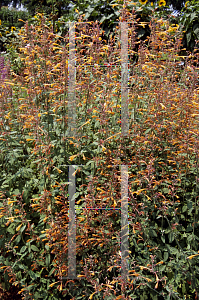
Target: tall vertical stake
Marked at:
124, 79
72, 225
71, 133
72, 82
124, 222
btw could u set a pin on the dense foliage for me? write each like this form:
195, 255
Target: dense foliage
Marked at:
107, 13
10, 17
190, 24
161, 150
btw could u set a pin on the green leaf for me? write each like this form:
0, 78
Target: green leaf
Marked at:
42, 235
16, 192
102, 19
23, 249
190, 238
184, 208
196, 30
34, 248
163, 238
162, 268
48, 260
166, 256
189, 228
22, 266
47, 247
173, 250
188, 36
87, 15
10, 229
152, 233
90, 9
33, 275
189, 205
141, 33
148, 130
18, 239
19, 275
22, 228
171, 237
110, 16
51, 271
193, 16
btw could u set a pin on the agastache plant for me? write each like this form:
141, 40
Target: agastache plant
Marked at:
157, 179
3, 69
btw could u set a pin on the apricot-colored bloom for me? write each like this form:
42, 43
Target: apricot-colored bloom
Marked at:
72, 157
191, 256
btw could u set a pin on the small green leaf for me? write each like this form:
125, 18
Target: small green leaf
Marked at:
189, 205
47, 247
18, 239
196, 30
188, 36
141, 33
42, 235
22, 228
148, 130
184, 208
193, 16
189, 228
102, 19
166, 255
33, 275
173, 250
171, 237
10, 229
34, 248
51, 271
48, 260
23, 249
162, 268
163, 239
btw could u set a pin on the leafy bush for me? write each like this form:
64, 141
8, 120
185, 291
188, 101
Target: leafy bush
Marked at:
10, 17
161, 150
190, 25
